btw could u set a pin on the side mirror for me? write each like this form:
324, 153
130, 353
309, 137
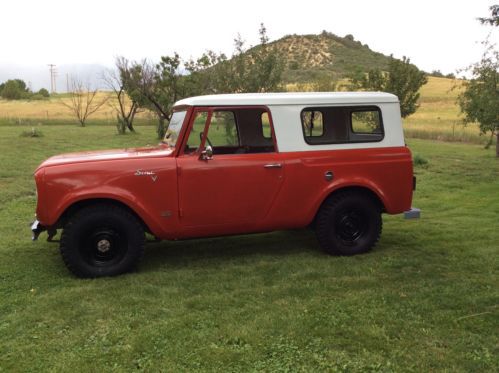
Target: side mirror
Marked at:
207, 153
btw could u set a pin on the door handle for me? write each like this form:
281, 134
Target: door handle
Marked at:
273, 165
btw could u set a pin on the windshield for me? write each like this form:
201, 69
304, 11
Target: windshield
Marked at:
174, 128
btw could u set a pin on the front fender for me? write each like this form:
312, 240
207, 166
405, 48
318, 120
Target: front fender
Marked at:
119, 195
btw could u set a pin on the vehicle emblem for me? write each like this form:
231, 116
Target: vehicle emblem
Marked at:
152, 174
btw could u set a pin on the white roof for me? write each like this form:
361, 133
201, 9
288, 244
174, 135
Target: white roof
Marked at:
290, 98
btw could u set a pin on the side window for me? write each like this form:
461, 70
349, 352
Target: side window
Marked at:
223, 130
196, 133
342, 124
366, 122
312, 123
233, 130
266, 131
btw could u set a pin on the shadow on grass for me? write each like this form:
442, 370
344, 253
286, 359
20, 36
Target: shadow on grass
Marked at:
230, 248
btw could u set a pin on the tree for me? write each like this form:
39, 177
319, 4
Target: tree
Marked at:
209, 74
83, 100
14, 89
403, 79
125, 107
258, 69
43, 92
156, 87
479, 102
493, 20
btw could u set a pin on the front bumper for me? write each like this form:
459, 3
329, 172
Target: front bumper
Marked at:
37, 228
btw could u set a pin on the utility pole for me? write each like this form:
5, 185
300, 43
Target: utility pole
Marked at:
53, 74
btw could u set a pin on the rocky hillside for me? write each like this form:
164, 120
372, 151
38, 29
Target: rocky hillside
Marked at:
308, 56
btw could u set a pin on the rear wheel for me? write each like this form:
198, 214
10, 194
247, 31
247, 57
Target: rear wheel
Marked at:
349, 223
102, 240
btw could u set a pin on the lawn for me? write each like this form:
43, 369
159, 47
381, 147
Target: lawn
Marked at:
426, 299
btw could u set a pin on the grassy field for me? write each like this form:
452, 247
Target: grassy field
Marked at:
52, 111
438, 116
426, 299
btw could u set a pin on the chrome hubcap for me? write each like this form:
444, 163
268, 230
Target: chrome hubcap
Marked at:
103, 246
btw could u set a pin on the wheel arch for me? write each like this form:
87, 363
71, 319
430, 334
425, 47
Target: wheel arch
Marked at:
361, 189
78, 205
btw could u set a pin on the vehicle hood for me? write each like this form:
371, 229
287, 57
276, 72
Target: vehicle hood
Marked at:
107, 155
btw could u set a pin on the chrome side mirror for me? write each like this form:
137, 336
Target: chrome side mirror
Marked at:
207, 153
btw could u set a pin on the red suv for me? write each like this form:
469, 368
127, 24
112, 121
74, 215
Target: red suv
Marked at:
233, 164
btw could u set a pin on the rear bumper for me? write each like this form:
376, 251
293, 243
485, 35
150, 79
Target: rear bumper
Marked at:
413, 213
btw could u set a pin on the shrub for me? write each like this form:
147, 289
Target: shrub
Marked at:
32, 133
37, 96
420, 161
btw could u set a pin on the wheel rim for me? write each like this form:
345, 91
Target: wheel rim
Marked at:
350, 226
103, 246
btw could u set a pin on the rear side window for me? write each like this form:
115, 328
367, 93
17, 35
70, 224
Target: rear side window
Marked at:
340, 125
312, 123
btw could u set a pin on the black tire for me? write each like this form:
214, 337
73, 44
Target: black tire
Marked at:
349, 223
102, 240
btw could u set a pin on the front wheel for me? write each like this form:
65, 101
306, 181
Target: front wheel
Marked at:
102, 240
349, 223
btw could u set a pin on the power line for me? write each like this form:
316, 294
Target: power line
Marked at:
53, 75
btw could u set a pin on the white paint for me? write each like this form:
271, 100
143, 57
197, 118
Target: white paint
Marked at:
289, 98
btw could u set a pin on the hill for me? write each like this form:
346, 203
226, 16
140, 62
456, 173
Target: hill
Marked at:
308, 56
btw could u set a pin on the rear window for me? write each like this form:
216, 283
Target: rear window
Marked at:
340, 125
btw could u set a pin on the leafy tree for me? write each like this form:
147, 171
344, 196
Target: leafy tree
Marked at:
403, 79
493, 20
14, 89
211, 73
479, 102
43, 92
258, 69
156, 87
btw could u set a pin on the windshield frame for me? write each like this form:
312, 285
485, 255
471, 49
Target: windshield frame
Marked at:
179, 127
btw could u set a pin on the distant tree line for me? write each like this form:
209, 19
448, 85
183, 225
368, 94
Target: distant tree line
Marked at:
439, 74
17, 89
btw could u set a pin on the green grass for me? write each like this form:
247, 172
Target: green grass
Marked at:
426, 299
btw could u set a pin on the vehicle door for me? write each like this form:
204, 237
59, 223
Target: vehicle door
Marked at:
229, 170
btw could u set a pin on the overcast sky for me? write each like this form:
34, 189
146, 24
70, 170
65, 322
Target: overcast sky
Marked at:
434, 34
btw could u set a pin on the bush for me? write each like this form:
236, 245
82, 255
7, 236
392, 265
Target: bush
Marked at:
37, 96
32, 133
420, 161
